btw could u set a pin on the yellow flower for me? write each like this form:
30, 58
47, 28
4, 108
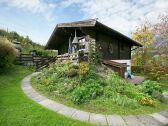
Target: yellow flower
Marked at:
46, 82
83, 68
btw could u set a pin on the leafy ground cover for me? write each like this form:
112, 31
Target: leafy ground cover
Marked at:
163, 83
97, 90
16, 109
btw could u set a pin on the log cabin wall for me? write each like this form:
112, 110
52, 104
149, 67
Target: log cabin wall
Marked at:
111, 47
124, 50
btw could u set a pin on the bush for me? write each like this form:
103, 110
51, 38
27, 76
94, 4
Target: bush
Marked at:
154, 71
8, 52
136, 69
132, 92
94, 87
80, 95
157, 72
158, 95
146, 101
119, 99
148, 87
72, 72
89, 90
48, 53
66, 62
116, 82
83, 68
73, 66
121, 92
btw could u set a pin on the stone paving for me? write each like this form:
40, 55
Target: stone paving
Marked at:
155, 119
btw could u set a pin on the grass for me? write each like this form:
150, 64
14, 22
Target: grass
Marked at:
16, 109
97, 106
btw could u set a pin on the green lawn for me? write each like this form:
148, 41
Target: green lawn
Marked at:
16, 109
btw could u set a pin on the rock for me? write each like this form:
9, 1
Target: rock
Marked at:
94, 95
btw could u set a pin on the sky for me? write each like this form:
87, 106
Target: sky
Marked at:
37, 18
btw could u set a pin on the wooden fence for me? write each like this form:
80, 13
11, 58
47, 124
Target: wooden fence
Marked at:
38, 61
67, 56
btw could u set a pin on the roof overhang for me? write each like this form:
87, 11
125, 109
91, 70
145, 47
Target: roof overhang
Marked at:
62, 32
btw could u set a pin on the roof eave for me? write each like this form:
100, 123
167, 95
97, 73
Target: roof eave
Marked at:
135, 43
47, 45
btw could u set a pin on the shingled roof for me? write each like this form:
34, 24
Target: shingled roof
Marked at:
61, 34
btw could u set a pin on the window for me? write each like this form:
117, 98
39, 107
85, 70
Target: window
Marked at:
82, 47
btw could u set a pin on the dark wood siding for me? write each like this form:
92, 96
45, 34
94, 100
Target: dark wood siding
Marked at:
63, 48
112, 48
121, 49
109, 46
125, 50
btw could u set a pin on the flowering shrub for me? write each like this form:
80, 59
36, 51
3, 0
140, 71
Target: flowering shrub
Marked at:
46, 82
146, 101
66, 62
83, 68
81, 84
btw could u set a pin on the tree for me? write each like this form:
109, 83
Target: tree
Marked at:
143, 35
161, 32
153, 57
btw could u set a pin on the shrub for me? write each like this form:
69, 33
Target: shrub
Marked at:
149, 87
94, 87
136, 69
157, 72
116, 82
158, 95
80, 95
132, 92
66, 62
146, 101
73, 66
83, 68
154, 71
72, 72
8, 52
50, 53
119, 99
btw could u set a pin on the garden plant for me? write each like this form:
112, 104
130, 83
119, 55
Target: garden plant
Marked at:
83, 86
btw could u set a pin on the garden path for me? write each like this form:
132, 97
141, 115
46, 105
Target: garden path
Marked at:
155, 119
136, 80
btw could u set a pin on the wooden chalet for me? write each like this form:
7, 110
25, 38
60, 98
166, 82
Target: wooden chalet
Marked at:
71, 38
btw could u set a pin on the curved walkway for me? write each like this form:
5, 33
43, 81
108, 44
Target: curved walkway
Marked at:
155, 119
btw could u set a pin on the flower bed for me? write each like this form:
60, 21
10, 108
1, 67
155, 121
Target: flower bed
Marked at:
83, 86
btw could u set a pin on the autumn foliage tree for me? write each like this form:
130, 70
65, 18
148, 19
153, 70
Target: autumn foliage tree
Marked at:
161, 45
152, 59
143, 35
